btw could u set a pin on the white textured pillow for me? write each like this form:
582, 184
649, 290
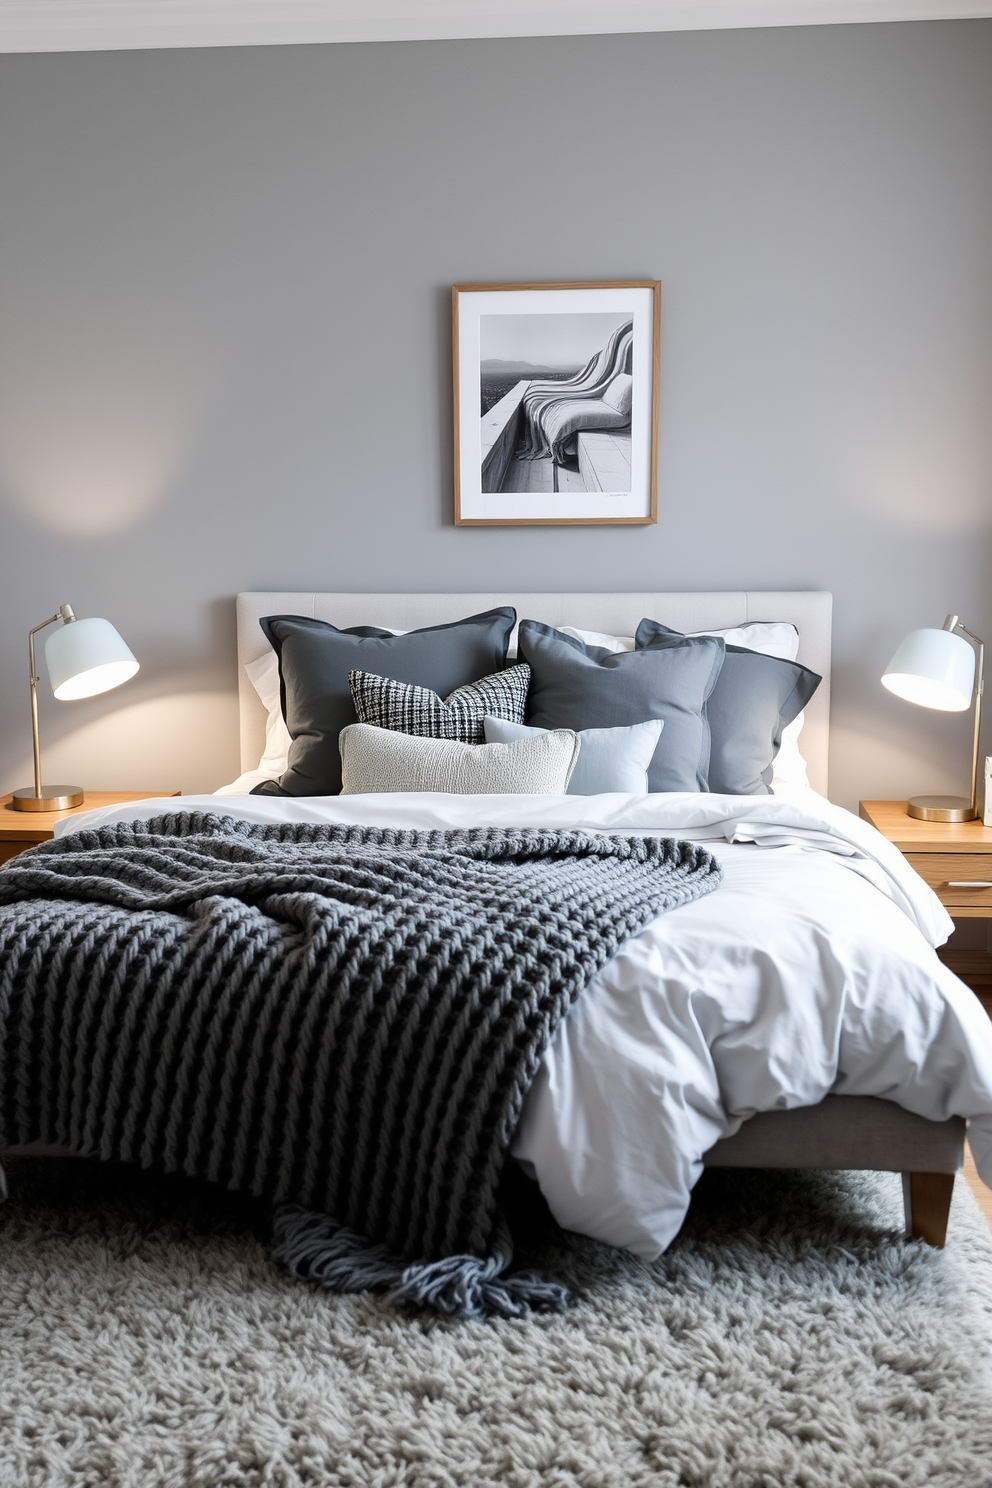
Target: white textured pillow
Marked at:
375, 760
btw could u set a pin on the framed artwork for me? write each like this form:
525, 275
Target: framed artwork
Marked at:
556, 402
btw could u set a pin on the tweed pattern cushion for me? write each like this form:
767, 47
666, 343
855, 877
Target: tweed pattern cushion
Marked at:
375, 760
417, 710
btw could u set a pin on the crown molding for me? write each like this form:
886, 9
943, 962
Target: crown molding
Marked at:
115, 25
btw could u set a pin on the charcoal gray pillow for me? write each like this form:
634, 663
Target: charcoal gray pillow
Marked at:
754, 699
585, 687
315, 659
406, 709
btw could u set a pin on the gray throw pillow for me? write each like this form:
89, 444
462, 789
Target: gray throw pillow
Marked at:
416, 710
315, 659
585, 687
610, 759
755, 698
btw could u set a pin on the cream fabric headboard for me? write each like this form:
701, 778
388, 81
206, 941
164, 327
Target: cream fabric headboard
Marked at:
617, 614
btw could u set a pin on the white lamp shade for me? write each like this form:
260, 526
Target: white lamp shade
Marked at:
934, 668
86, 657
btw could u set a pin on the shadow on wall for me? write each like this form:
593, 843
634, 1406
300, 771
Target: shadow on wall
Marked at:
92, 442
890, 769
183, 741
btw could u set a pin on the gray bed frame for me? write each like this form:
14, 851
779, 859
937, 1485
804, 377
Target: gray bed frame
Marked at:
842, 1132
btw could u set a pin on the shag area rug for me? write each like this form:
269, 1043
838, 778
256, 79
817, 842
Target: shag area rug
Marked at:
789, 1339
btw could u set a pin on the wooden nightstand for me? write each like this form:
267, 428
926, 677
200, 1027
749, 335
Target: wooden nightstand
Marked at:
23, 829
955, 859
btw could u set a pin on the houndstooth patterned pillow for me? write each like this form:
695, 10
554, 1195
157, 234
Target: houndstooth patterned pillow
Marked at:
416, 710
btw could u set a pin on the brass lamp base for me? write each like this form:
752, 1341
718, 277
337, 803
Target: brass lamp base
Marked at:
52, 798
941, 809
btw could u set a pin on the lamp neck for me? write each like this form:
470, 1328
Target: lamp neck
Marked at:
952, 623
64, 613
979, 691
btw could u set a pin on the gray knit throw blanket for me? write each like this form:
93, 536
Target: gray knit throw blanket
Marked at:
342, 1021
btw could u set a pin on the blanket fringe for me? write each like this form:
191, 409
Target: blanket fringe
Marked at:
314, 1247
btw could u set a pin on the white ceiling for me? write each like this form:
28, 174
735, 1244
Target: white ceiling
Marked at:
107, 25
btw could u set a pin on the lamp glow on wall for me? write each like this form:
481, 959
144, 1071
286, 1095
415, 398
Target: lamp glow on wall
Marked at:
84, 657
936, 669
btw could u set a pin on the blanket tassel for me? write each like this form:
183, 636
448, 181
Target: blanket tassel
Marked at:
315, 1248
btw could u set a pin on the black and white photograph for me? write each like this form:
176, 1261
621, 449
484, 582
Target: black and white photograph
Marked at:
561, 426
556, 393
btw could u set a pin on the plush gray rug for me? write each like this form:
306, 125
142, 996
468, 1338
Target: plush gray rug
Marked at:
789, 1339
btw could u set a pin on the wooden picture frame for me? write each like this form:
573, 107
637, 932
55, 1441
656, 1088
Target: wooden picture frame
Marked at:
527, 454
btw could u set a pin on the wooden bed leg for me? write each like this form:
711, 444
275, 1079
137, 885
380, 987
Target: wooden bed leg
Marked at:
927, 1197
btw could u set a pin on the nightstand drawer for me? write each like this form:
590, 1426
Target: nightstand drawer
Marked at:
960, 879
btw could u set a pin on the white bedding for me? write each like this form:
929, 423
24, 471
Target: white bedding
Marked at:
810, 970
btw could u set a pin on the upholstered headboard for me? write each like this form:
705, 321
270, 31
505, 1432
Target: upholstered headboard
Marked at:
617, 614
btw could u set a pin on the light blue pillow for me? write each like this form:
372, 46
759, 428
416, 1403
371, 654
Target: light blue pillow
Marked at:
610, 759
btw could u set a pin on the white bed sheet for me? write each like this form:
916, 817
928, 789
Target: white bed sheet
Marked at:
810, 970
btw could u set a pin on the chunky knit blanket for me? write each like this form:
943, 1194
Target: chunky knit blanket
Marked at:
343, 1021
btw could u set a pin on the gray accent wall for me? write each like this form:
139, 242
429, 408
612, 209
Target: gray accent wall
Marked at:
225, 345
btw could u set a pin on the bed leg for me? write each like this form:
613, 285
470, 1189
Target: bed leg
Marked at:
927, 1198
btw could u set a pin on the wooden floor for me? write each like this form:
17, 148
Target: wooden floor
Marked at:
975, 968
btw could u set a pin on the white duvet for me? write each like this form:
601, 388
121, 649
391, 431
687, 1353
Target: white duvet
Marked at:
810, 970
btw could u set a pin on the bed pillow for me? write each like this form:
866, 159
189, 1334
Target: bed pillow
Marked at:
790, 765
620, 393
600, 638
416, 710
771, 637
586, 687
756, 696
263, 674
380, 760
610, 759
315, 659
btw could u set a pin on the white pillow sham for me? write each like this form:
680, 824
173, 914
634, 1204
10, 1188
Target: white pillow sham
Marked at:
263, 674
375, 760
772, 638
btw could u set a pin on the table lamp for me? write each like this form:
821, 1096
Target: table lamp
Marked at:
84, 657
936, 668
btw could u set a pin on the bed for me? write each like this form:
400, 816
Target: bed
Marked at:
611, 1157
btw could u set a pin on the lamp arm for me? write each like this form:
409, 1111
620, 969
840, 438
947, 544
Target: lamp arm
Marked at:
35, 738
979, 693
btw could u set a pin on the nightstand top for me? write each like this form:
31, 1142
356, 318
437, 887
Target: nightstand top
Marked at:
910, 835
39, 826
